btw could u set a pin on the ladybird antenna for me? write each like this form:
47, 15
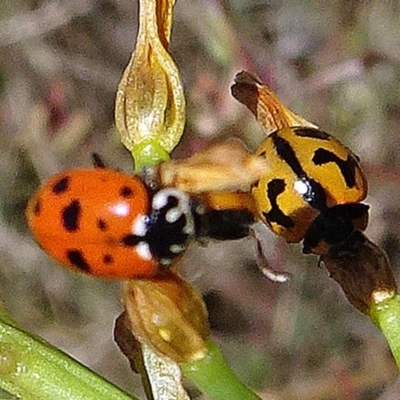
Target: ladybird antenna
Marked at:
98, 161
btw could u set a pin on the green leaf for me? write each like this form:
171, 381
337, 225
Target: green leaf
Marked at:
32, 369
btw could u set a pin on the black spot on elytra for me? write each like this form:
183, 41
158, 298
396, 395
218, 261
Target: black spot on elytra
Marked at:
71, 215
37, 208
311, 133
61, 186
274, 189
108, 259
126, 192
131, 240
76, 258
102, 225
347, 167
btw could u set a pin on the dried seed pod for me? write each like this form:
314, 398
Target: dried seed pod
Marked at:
169, 315
363, 271
270, 113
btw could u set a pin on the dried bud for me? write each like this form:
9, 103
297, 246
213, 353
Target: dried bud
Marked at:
363, 271
168, 315
270, 113
150, 104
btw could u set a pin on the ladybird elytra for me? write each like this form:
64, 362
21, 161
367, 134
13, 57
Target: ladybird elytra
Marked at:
80, 217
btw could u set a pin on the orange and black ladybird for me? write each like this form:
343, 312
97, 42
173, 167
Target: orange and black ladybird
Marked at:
312, 190
106, 223
109, 224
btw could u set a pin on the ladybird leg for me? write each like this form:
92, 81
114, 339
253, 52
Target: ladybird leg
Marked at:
262, 263
272, 275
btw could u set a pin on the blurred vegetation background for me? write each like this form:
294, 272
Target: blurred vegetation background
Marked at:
335, 63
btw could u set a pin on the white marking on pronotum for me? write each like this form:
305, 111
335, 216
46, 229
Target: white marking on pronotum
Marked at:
139, 226
177, 248
143, 249
173, 215
160, 200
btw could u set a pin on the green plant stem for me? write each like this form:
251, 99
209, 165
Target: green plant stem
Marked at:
32, 369
148, 153
215, 379
386, 315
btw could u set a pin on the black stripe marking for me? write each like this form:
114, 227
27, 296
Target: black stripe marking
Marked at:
347, 167
61, 186
71, 216
334, 226
76, 258
275, 188
311, 133
285, 151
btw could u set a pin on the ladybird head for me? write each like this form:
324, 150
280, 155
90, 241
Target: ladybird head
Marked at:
170, 224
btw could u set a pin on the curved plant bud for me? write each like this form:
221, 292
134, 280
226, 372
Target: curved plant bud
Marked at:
150, 104
168, 315
270, 113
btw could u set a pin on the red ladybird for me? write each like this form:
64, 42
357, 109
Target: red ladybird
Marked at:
106, 223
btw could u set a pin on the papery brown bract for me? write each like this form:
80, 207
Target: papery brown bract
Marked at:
270, 113
169, 315
362, 270
132, 350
